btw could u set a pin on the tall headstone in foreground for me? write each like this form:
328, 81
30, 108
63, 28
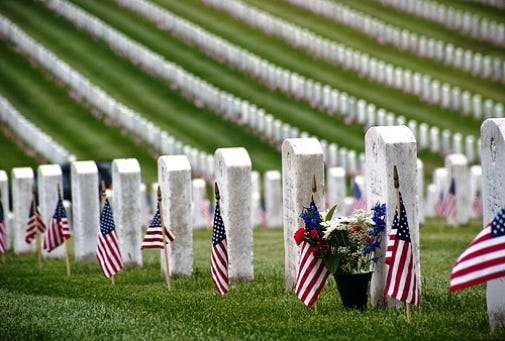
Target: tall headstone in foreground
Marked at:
493, 200
302, 160
49, 177
85, 210
385, 148
273, 198
232, 168
127, 208
174, 178
457, 170
22, 189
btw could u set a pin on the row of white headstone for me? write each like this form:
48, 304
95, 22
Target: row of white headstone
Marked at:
484, 66
424, 86
322, 96
492, 3
203, 93
31, 135
466, 22
114, 110
302, 160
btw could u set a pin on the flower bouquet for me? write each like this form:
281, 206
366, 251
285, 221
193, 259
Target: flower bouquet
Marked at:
347, 245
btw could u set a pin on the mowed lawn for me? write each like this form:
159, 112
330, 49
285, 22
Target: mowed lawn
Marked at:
45, 304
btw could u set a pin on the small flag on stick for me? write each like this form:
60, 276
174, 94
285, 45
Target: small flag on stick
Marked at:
219, 255
59, 228
157, 237
358, 200
35, 223
312, 272
484, 258
108, 253
401, 281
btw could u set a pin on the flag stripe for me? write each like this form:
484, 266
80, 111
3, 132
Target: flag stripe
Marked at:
401, 281
59, 228
219, 254
311, 277
154, 235
108, 252
484, 258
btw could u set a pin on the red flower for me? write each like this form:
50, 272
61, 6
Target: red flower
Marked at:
314, 234
356, 228
367, 238
299, 234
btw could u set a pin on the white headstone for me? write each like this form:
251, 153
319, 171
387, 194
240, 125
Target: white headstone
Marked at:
457, 170
434, 139
174, 178
432, 196
302, 161
49, 177
257, 216
127, 208
385, 148
336, 189
22, 189
85, 210
493, 200
470, 148
233, 177
475, 189
201, 205
420, 191
273, 198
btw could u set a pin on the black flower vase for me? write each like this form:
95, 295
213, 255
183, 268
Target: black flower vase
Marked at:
353, 289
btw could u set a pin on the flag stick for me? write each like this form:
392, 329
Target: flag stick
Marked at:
37, 232
101, 209
165, 248
67, 259
398, 210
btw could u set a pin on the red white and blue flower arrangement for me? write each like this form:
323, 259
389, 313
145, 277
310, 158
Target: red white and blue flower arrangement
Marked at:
348, 244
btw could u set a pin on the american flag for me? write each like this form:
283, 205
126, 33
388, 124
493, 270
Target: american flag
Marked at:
35, 223
59, 228
392, 237
205, 209
311, 276
477, 205
154, 234
484, 258
449, 203
439, 205
401, 282
3, 235
358, 200
108, 253
219, 256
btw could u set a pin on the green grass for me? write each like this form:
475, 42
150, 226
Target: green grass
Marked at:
50, 106
45, 304
147, 95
